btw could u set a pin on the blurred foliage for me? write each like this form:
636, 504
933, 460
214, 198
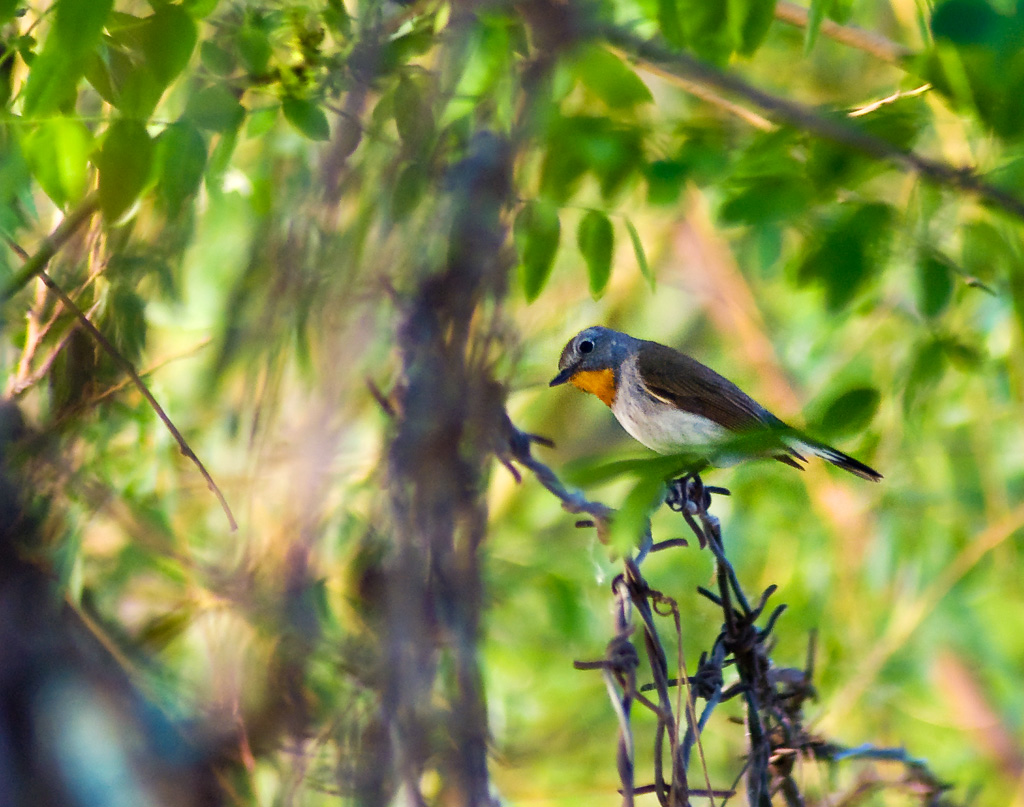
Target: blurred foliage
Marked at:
275, 180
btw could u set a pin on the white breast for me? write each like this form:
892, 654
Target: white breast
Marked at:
658, 425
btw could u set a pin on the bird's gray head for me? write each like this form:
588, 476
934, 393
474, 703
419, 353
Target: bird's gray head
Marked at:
592, 350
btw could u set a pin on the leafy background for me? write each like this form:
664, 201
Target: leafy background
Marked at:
271, 181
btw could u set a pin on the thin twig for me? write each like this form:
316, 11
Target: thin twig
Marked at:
140, 385
36, 263
899, 95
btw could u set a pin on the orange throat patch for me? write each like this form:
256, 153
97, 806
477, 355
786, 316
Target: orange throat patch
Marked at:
597, 382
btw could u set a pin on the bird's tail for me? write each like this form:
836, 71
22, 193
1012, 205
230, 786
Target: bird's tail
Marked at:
836, 457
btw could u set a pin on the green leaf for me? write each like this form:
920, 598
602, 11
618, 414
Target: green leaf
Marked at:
709, 28
596, 241
215, 108
816, 16
851, 412
668, 21
641, 256
848, 252
632, 519
984, 252
765, 199
408, 190
413, 115
57, 152
608, 77
218, 60
966, 22
254, 48
125, 164
54, 75
665, 180
181, 160
220, 159
588, 473
200, 8
536, 232
307, 117
757, 16
7, 9
337, 18
926, 372
15, 179
170, 39
934, 284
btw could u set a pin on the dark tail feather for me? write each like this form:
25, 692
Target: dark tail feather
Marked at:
840, 460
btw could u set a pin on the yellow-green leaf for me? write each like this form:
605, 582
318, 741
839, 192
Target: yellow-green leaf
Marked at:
57, 152
641, 256
596, 241
536, 232
125, 163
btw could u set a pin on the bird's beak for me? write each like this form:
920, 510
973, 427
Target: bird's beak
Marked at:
562, 377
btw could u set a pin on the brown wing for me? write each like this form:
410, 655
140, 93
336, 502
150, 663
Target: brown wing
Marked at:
685, 382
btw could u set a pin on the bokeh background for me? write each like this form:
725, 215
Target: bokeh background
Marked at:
276, 179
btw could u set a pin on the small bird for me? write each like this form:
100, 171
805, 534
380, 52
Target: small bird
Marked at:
672, 403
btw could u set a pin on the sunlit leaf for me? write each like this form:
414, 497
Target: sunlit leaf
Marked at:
815, 17
200, 8
167, 41
57, 152
608, 77
125, 163
77, 25
641, 255
596, 241
537, 231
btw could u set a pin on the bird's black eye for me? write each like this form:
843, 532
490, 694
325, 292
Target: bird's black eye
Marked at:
585, 346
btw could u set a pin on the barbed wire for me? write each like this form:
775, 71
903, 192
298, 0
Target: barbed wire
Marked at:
773, 697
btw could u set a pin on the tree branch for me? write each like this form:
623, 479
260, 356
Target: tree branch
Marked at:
802, 117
